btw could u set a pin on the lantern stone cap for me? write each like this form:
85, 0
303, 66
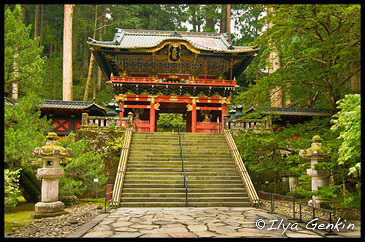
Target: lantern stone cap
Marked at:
314, 150
316, 139
51, 148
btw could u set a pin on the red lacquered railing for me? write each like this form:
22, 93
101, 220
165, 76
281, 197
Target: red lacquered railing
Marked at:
153, 80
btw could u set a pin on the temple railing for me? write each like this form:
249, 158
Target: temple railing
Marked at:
105, 121
153, 80
119, 178
246, 125
247, 182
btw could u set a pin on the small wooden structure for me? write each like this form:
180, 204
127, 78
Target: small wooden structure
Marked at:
66, 115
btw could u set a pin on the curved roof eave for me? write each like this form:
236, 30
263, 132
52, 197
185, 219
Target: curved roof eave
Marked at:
113, 44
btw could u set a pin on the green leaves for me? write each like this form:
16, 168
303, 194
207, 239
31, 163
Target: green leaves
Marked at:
23, 63
170, 121
348, 123
82, 169
319, 49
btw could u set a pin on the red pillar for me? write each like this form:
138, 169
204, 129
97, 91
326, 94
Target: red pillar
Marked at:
121, 113
224, 111
152, 115
193, 117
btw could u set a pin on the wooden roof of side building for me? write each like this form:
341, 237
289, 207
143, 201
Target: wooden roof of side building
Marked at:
74, 105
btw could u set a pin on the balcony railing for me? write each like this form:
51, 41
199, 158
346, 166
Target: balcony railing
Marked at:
153, 80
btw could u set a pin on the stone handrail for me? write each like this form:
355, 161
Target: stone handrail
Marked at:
119, 178
247, 182
105, 121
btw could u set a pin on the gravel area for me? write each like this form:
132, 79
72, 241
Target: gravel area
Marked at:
58, 226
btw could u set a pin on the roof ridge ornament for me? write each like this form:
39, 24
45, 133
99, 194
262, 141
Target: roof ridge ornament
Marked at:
224, 38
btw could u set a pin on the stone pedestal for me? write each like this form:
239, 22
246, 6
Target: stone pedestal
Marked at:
51, 154
319, 177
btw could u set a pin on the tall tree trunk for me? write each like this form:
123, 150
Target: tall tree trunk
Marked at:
14, 91
85, 49
15, 88
228, 21
223, 19
67, 52
194, 18
36, 20
41, 26
100, 35
209, 18
86, 93
276, 94
75, 34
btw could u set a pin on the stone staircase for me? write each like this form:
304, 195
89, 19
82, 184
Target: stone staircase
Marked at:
154, 176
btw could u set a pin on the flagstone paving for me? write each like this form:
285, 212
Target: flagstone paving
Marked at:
198, 222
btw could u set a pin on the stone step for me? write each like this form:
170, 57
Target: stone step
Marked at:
176, 165
187, 169
196, 175
167, 143
180, 181
182, 199
202, 178
182, 190
219, 204
182, 204
206, 159
176, 150
181, 185
177, 154
183, 134
183, 194
152, 204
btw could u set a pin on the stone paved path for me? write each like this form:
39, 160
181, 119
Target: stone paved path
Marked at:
195, 222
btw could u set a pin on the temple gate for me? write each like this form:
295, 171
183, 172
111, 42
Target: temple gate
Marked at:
153, 72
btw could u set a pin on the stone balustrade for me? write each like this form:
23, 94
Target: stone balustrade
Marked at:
106, 121
246, 125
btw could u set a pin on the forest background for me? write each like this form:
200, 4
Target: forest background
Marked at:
320, 65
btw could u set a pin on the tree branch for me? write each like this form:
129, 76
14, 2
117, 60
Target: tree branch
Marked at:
320, 61
104, 26
348, 78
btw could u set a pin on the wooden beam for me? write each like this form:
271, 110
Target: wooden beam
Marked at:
208, 108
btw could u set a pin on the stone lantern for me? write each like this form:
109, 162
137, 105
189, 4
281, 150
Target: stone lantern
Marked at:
319, 177
51, 155
113, 109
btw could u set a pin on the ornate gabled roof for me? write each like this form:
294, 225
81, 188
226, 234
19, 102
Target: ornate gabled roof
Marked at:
54, 104
135, 39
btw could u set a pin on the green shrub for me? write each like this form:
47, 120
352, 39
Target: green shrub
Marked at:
30, 185
11, 191
82, 168
10, 202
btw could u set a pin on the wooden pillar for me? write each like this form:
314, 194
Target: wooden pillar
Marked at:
224, 111
121, 113
152, 115
193, 117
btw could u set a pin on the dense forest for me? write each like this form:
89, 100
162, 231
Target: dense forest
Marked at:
319, 66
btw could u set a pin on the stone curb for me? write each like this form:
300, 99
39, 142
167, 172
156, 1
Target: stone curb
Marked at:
79, 232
